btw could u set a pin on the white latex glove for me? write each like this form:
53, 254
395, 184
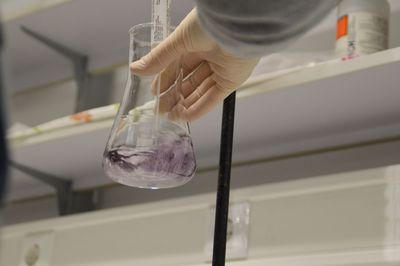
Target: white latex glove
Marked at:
210, 73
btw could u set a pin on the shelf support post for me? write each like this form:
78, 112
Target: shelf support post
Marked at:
69, 202
85, 99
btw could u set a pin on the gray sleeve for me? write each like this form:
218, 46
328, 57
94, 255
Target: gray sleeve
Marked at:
252, 28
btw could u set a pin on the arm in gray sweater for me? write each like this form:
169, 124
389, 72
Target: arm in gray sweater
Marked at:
256, 27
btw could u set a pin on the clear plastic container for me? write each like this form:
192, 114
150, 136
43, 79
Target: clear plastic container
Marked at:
146, 149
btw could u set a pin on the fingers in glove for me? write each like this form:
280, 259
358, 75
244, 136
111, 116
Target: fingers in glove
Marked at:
199, 92
168, 76
209, 100
161, 56
182, 110
175, 93
170, 98
195, 79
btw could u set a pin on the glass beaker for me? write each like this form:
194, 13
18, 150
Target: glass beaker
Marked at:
146, 149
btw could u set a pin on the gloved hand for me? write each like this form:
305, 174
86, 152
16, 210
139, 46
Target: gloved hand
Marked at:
210, 73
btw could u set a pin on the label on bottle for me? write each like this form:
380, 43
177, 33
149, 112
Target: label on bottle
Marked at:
361, 33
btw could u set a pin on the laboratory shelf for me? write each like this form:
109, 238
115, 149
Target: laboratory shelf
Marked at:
317, 71
318, 106
343, 219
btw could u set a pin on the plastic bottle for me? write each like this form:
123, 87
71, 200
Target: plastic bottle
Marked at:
362, 27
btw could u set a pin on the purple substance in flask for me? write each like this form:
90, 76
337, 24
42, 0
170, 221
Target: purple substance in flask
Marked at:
171, 158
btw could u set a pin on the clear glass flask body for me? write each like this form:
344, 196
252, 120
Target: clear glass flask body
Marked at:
146, 149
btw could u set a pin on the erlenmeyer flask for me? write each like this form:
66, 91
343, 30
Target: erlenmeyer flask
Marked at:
146, 149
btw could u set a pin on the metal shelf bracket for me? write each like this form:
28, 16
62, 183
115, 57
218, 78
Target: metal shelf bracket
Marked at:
85, 99
69, 201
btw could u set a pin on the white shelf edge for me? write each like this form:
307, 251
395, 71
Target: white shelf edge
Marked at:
65, 132
296, 76
27, 9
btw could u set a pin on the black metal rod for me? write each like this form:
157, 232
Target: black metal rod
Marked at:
224, 176
3, 142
